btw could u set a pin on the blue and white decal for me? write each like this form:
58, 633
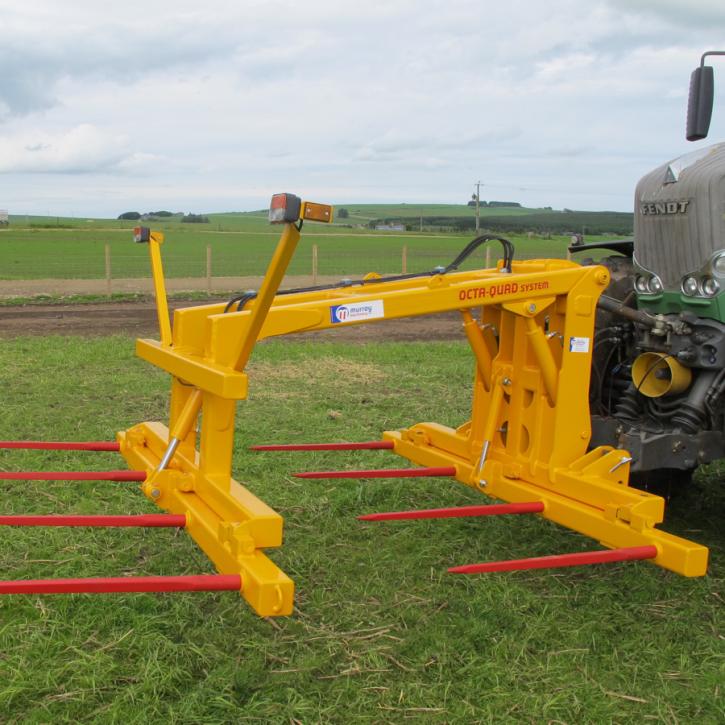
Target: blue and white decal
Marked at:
579, 344
356, 311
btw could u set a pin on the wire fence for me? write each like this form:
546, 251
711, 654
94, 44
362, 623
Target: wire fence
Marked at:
109, 267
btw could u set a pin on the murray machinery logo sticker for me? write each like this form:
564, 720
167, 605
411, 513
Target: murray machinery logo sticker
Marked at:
354, 312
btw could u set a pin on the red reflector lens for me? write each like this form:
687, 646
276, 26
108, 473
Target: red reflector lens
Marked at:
284, 209
141, 234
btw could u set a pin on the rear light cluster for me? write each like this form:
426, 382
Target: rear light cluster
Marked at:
288, 209
284, 209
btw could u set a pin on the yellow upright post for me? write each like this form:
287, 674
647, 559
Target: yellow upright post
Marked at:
272, 280
227, 521
156, 239
180, 427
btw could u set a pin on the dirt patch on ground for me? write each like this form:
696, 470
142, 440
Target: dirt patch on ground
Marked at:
64, 287
138, 319
347, 372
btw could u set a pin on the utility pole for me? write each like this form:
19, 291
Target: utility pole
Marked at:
478, 206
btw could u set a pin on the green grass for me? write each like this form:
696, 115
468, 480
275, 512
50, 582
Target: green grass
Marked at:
380, 632
241, 246
235, 221
364, 213
73, 255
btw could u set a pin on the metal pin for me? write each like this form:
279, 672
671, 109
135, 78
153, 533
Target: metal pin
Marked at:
620, 463
482, 459
168, 455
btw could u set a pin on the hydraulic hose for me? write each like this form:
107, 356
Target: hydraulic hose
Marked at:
508, 255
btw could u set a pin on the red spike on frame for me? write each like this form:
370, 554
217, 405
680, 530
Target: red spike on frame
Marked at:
145, 520
532, 507
364, 446
111, 585
63, 445
604, 556
382, 473
72, 475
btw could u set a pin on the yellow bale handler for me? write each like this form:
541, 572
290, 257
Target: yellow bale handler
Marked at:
530, 326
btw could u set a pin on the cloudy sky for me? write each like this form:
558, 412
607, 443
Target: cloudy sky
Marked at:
213, 106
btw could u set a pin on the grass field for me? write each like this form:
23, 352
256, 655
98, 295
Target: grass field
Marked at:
380, 633
241, 246
241, 221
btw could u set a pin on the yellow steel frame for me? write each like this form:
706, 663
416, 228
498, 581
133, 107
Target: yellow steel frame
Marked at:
229, 523
531, 335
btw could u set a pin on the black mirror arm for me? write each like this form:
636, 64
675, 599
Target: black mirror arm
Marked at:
710, 52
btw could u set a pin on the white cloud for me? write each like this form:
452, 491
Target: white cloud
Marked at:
695, 13
564, 103
83, 149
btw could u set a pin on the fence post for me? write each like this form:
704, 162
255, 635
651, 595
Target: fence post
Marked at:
208, 268
568, 253
488, 257
404, 260
107, 253
314, 264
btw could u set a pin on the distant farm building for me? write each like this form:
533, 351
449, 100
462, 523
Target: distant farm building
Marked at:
390, 227
4, 218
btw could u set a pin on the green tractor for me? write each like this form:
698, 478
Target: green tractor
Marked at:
658, 377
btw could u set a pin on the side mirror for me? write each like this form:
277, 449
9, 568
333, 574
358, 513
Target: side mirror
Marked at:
699, 104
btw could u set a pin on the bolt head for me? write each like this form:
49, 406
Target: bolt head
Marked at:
155, 493
532, 308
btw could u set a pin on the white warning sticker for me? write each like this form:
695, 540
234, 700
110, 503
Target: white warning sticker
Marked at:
579, 344
355, 311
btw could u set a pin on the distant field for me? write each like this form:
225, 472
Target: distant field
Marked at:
359, 217
233, 221
42, 247
363, 213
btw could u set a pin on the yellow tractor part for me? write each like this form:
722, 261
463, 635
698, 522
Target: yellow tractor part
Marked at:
655, 374
229, 523
530, 331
